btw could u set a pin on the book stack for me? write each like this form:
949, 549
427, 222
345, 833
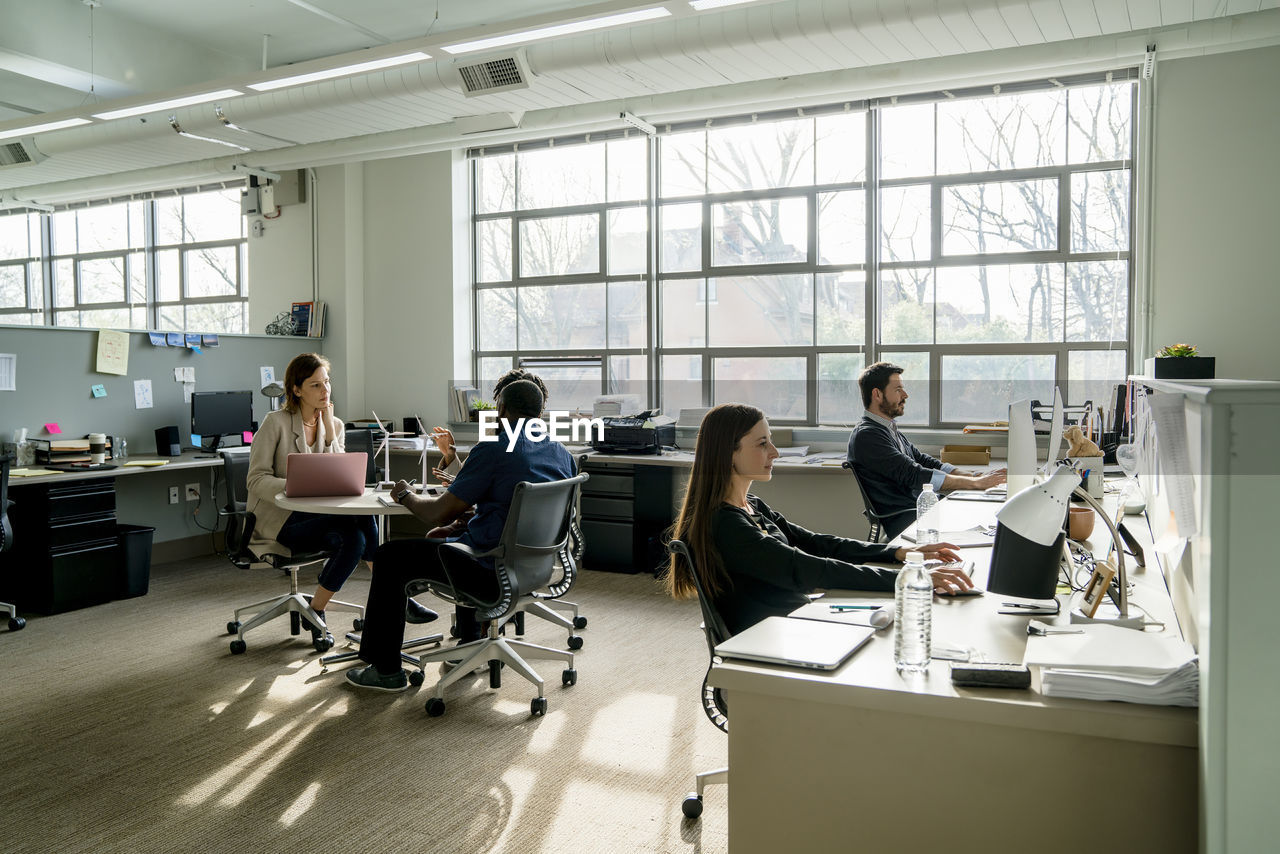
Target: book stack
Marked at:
308, 318
460, 400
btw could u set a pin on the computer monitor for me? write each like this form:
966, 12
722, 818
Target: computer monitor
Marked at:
1055, 434
215, 414
1022, 448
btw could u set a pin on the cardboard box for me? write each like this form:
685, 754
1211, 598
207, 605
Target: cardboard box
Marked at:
966, 455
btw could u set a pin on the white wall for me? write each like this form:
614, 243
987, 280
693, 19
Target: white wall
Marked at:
1215, 193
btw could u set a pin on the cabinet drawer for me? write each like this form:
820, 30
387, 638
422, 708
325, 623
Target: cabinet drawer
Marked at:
609, 483
593, 506
609, 545
82, 531
82, 499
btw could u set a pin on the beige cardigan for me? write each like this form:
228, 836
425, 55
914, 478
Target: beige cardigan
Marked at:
279, 436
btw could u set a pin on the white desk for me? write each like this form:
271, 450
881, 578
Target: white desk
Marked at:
865, 757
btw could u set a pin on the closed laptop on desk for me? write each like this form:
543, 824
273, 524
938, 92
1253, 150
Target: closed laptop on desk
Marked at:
309, 475
796, 643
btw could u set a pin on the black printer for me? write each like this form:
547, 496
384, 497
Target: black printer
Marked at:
645, 433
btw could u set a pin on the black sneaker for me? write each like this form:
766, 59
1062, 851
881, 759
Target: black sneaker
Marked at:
416, 613
369, 677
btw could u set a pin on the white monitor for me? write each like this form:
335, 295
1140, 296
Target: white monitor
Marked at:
1022, 448
1055, 433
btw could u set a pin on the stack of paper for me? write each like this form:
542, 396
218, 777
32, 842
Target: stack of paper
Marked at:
794, 451
1103, 662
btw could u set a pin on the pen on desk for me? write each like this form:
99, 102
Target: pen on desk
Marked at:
856, 607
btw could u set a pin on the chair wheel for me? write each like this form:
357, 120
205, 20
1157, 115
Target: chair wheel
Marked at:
357, 625
538, 707
435, 707
453, 631
238, 646
495, 674
575, 642
692, 806
233, 627
322, 643
579, 622
295, 622
569, 677
16, 623
519, 621
416, 677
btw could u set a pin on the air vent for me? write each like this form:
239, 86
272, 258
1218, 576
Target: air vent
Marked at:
494, 75
21, 153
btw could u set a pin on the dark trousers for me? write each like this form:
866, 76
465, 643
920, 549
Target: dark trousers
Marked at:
346, 538
396, 564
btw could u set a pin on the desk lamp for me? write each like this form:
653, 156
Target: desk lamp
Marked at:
273, 392
1029, 537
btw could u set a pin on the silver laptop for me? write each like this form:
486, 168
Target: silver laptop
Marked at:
328, 475
796, 643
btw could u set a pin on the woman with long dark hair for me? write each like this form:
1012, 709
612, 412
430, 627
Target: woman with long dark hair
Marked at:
751, 561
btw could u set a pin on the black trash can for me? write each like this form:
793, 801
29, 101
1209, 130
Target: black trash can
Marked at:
135, 559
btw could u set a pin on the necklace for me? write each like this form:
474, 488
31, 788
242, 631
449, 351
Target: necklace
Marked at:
306, 423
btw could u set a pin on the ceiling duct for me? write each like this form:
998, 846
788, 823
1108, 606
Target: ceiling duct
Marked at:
494, 75
23, 152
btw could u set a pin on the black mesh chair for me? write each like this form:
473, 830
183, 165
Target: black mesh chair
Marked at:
548, 604
534, 538
714, 703
6, 538
875, 520
297, 605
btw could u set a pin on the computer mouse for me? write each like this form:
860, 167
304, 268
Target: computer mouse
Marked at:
881, 619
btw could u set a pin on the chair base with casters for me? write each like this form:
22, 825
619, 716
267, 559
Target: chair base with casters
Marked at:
297, 606
714, 704
497, 652
15, 622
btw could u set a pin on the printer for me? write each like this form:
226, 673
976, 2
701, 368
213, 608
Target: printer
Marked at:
645, 433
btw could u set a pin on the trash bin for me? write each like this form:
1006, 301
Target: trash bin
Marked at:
135, 559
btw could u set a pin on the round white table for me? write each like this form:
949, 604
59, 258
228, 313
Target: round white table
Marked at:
350, 505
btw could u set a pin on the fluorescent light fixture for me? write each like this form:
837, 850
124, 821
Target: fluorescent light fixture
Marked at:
343, 71
171, 104
560, 30
32, 130
704, 5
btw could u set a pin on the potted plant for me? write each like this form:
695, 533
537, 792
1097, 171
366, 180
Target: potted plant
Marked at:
477, 405
1182, 362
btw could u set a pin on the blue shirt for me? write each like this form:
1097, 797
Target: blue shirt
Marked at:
489, 478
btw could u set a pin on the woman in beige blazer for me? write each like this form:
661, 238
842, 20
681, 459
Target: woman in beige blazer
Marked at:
305, 425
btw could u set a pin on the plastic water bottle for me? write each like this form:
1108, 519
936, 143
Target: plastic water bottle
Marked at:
927, 516
913, 607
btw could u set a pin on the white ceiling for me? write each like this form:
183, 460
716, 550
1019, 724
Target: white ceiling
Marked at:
63, 59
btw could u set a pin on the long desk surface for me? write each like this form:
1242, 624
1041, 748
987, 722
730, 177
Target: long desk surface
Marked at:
912, 763
187, 460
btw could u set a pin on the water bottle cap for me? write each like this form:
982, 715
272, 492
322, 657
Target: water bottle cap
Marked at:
928, 487
914, 557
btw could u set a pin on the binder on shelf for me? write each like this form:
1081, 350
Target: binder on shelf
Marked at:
301, 313
316, 329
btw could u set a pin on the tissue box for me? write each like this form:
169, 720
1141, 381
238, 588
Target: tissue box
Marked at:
966, 455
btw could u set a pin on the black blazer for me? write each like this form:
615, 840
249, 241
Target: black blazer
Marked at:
773, 563
891, 472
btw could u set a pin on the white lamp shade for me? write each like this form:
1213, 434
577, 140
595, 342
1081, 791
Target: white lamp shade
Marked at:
1037, 511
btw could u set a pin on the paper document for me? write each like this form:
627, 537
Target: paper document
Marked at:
1170, 415
796, 451
966, 539
1102, 662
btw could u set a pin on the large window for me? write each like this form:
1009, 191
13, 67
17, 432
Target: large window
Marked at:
169, 263
979, 239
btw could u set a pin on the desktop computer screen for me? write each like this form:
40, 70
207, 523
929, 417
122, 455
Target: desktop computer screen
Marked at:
215, 414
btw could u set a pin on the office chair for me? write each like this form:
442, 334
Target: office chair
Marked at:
546, 605
536, 534
714, 703
6, 538
874, 519
240, 524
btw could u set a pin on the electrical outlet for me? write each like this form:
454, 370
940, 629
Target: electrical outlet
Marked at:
193, 492
173, 495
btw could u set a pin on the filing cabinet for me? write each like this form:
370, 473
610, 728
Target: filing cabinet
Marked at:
66, 553
626, 512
